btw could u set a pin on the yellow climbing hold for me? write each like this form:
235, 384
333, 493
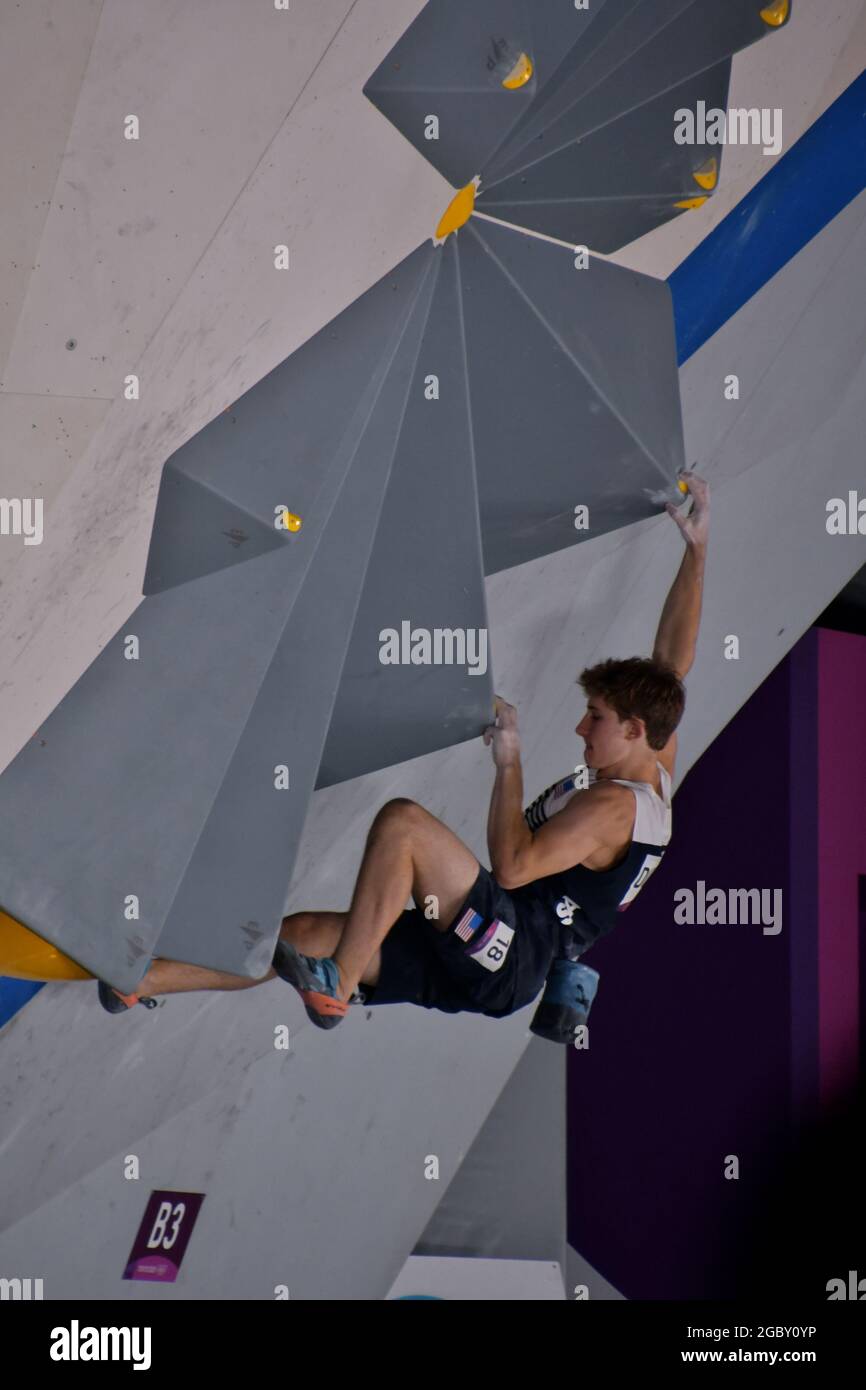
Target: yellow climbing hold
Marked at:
708, 174
776, 13
458, 211
691, 203
682, 485
291, 522
519, 74
26, 956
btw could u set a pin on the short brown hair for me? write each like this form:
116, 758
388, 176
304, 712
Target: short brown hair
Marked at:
639, 687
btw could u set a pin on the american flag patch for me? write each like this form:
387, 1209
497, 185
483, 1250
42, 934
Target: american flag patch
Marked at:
468, 925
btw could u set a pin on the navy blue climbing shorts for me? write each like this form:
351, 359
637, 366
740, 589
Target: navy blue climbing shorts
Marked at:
477, 966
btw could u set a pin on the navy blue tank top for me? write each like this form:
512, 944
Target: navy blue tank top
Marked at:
576, 906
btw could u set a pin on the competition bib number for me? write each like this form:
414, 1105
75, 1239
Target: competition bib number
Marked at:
650, 862
491, 950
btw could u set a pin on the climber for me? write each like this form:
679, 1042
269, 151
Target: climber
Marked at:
480, 940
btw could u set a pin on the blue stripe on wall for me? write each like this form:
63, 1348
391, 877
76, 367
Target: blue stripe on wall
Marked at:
804, 190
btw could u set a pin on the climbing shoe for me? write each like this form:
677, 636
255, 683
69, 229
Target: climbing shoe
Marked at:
116, 1003
317, 981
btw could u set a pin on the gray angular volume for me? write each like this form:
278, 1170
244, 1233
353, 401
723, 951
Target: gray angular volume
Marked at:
446, 425
585, 150
574, 390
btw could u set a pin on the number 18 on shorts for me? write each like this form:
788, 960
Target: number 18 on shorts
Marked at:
491, 948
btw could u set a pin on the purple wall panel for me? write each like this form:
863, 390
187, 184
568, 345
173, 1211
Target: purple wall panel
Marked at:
803, 898
690, 1038
715, 1040
841, 855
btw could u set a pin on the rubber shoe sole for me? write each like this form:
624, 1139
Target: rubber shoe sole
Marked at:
116, 1003
324, 1009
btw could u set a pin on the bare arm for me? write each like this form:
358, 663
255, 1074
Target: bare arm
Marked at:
517, 854
677, 633
508, 835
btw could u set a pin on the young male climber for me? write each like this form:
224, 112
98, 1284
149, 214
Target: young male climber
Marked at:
480, 940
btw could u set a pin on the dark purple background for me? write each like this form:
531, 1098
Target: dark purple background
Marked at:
693, 1052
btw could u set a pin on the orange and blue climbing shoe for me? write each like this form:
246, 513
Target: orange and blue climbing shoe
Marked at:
116, 1003
316, 980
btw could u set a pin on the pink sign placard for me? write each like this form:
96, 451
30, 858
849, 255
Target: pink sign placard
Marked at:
163, 1236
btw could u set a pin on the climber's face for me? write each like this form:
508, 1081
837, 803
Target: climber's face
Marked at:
607, 738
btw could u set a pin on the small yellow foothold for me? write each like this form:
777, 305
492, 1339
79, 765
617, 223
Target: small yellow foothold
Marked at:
519, 74
708, 174
292, 522
777, 13
682, 485
458, 211
688, 203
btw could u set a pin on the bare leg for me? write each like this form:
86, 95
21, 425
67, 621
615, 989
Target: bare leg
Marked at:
174, 977
314, 933
408, 851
